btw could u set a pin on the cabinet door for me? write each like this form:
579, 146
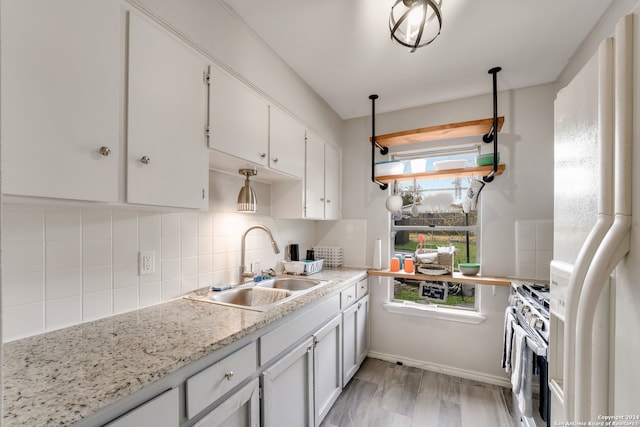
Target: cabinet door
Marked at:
239, 119
331, 182
242, 409
314, 182
162, 411
286, 143
288, 389
350, 350
60, 83
362, 329
327, 367
167, 104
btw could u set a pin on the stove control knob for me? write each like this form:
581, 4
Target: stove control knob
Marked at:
537, 324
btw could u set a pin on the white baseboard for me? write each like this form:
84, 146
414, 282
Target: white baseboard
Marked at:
443, 369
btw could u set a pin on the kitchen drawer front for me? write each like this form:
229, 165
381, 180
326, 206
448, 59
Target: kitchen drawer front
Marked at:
161, 411
348, 296
278, 340
362, 288
209, 385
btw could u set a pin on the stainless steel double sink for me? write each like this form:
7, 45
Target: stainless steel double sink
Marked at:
260, 296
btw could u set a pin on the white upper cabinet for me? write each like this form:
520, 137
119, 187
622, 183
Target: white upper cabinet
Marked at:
322, 179
61, 77
167, 119
286, 143
239, 119
331, 182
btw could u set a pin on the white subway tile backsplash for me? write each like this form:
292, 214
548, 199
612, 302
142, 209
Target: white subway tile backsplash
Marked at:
96, 252
170, 289
170, 247
64, 266
23, 288
170, 225
96, 305
125, 250
63, 226
63, 254
125, 225
534, 248
63, 312
189, 225
125, 299
22, 321
22, 226
63, 283
22, 256
96, 225
150, 294
96, 279
125, 275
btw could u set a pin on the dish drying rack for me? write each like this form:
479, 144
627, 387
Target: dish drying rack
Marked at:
442, 265
303, 268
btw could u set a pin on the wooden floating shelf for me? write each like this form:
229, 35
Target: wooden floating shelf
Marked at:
442, 174
433, 133
455, 277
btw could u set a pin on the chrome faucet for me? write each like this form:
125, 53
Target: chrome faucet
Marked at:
245, 274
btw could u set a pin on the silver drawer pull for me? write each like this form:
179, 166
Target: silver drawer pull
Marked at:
229, 375
145, 160
105, 151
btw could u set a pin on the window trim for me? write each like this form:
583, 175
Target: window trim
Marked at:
435, 311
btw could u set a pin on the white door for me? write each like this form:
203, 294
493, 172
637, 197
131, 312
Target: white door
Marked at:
362, 330
286, 143
350, 349
314, 182
331, 182
167, 104
60, 70
239, 119
288, 389
327, 367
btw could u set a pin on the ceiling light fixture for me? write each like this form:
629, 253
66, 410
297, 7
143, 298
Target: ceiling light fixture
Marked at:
247, 201
411, 22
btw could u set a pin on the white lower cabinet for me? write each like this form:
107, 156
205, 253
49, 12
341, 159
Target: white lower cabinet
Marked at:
161, 411
355, 321
242, 409
327, 367
288, 389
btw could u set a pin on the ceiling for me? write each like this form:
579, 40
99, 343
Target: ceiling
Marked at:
343, 50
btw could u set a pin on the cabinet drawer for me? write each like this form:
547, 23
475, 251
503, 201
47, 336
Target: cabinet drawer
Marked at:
348, 296
209, 385
362, 288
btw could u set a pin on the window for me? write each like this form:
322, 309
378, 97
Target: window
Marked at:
432, 221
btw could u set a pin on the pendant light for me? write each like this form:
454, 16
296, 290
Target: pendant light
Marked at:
415, 23
247, 201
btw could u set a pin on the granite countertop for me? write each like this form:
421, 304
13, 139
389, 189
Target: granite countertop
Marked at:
61, 377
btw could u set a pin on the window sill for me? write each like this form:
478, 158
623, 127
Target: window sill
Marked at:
435, 312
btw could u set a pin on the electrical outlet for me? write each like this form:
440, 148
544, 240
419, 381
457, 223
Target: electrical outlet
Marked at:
146, 262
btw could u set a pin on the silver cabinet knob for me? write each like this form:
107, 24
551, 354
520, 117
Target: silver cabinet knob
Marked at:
328, 201
145, 160
105, 151
275, 160
229, 375
322, 199
263, 155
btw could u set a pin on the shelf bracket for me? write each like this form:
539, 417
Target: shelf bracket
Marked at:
374, 144
492, 135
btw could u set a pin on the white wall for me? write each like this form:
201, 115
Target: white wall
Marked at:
524, 191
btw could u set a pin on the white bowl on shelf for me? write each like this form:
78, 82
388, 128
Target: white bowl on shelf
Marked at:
449, 164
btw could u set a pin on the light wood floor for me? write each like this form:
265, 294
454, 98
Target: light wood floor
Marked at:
384, 394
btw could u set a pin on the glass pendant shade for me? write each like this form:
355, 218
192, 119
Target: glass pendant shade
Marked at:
247, 201
415, 23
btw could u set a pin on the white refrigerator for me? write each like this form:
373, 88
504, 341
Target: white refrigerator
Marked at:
594, 345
